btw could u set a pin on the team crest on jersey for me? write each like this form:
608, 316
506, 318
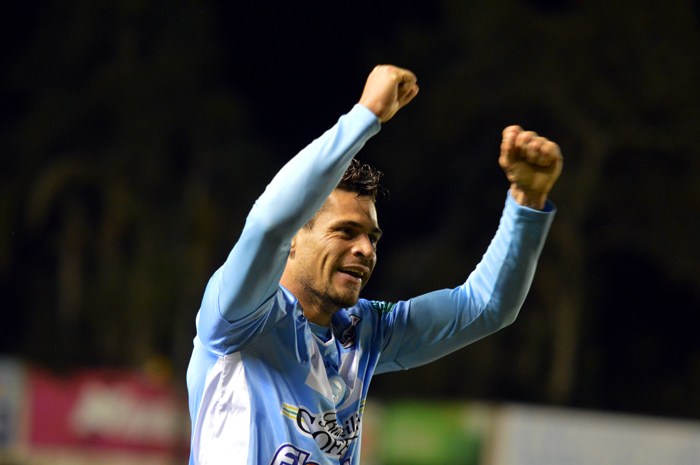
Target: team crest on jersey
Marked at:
348, 335
333, 439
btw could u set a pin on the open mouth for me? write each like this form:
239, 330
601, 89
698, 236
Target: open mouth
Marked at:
354, 273
357, 273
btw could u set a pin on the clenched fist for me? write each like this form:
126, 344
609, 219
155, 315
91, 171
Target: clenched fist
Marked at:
532, 164
387, 90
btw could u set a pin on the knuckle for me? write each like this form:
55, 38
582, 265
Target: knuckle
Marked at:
524, 137
511, 130
551, 148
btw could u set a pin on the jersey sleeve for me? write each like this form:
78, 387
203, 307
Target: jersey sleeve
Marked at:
250, 276
430, 326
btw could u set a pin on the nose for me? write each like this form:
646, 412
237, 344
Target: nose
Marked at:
363, 247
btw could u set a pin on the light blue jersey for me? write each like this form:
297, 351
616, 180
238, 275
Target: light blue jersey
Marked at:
268, 387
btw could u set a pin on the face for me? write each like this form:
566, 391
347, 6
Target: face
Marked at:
331, 262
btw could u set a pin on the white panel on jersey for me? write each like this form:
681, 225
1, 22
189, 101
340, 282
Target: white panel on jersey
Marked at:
222, 432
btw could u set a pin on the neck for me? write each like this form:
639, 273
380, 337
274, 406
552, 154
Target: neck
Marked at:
315, 315
314, 308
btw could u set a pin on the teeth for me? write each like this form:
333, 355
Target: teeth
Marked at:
354, 273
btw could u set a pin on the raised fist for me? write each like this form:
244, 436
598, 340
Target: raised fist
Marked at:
387, 90
532, 164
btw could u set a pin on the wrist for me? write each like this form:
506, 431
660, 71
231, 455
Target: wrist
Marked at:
528, 198
376, 108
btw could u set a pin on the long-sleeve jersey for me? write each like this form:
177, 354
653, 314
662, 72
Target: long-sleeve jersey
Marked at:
264, 388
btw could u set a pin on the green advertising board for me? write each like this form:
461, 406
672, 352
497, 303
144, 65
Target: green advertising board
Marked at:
430, 433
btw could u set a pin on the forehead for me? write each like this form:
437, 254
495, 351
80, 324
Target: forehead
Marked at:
348, 206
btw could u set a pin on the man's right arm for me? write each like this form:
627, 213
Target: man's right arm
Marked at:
254, 267
251, 274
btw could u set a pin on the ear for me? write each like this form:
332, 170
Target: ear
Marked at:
293, 247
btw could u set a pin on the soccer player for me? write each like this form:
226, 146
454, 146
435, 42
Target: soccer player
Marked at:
285, 348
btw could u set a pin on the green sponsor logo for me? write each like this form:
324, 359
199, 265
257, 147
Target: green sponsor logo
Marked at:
382, 308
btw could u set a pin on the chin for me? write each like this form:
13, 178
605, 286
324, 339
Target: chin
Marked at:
345, 301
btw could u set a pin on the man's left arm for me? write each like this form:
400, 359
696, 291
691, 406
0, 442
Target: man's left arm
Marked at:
435, 324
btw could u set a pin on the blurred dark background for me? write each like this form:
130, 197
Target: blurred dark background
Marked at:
137, 134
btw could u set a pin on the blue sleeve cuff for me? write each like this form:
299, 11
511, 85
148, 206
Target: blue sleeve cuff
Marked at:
363, 113
549, 207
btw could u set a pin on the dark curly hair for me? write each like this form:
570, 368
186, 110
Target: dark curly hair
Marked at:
362, 179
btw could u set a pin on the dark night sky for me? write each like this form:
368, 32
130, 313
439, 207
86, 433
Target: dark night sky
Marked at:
294, 68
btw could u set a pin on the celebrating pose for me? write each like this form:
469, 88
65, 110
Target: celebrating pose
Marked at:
285, 348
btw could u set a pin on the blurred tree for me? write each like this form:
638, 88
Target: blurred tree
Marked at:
616, 87
127, 182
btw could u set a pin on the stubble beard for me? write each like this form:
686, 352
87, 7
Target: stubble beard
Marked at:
329, 300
